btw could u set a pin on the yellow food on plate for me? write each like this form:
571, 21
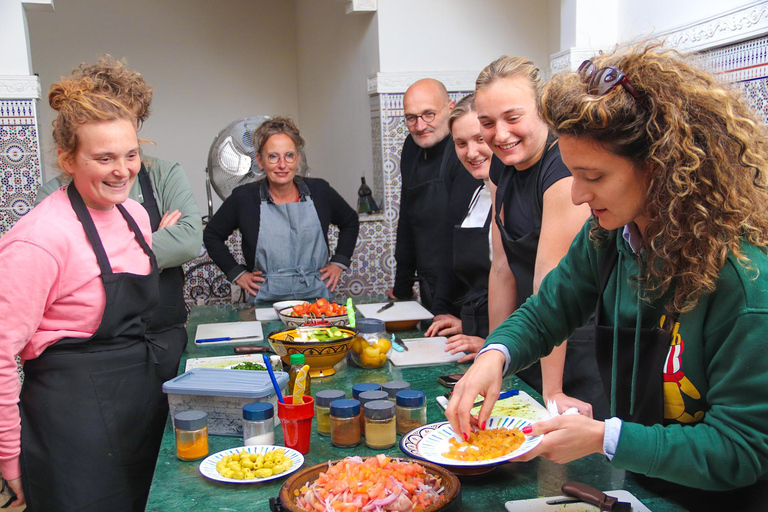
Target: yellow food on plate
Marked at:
249, 466
485, 444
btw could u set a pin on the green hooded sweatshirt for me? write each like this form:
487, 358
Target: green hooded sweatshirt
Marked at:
715, 375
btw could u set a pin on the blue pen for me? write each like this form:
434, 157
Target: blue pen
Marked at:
502, 396
272, 376
228, 338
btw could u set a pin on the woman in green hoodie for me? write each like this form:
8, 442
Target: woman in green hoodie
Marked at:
673, 264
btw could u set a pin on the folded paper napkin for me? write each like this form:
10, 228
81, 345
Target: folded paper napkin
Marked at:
553, 411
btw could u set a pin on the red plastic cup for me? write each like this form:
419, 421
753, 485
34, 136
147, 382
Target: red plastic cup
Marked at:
296, 420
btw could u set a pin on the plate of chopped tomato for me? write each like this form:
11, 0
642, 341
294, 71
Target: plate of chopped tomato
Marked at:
500, 442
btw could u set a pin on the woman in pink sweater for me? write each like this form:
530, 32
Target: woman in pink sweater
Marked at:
79, 282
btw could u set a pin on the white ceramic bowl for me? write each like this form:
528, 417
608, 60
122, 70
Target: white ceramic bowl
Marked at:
286, 304
297, 321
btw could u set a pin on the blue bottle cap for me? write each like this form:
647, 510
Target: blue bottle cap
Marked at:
345, 408
325, 397
364, 386
411, 398
258, 411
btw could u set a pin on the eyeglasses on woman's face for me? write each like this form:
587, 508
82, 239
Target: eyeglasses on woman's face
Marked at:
274, 158
602, 81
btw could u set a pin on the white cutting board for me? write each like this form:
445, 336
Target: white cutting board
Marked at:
252, 330
400, 311
424, 351
539, 504
521, 405
266, 314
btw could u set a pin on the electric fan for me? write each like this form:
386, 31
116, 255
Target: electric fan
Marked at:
232, 159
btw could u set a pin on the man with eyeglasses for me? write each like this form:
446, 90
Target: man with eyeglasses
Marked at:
433, 179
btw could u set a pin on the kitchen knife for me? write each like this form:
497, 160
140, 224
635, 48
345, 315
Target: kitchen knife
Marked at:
385, 307
399, 342
253, 349
593, 496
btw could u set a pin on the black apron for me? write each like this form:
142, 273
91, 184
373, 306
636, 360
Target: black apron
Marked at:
471, 266
89, 405
425, 201
166, 326
649, 400
580, 373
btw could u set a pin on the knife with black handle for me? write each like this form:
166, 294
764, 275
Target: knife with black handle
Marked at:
593, 496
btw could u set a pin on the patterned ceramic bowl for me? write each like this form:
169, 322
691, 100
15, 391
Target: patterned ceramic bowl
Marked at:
320, 354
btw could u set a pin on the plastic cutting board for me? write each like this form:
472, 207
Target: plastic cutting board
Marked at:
249, 331
540, 504
423, 351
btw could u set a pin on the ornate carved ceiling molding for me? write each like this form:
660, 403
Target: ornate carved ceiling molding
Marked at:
399, 82
733, 26
19, 87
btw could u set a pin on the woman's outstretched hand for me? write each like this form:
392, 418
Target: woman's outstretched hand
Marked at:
483, 378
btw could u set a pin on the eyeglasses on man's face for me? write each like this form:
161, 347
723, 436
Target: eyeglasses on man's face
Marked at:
427, 116
602, 81
274, 158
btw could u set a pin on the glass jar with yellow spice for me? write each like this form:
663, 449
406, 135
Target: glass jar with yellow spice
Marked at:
380, 431
191, 435
323, 401
369, 396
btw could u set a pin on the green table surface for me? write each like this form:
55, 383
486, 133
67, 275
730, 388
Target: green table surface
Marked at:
179, 486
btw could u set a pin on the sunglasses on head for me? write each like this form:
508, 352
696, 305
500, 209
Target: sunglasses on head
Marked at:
602, 81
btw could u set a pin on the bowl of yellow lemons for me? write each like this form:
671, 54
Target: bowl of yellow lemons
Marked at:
323, 346
371, 346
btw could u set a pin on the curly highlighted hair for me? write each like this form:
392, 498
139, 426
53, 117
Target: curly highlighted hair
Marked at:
111, 77
704, 153
79, 101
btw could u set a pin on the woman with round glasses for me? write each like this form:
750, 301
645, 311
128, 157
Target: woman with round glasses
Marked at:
535, 222
673, 265
284, 221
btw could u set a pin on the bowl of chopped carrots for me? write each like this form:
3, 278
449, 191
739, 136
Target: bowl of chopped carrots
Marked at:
320, 312
384, 483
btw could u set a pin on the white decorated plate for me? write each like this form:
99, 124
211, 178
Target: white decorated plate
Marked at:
436, 442
208, 466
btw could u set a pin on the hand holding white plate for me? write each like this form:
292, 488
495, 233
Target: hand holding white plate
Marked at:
208, 466
436, 443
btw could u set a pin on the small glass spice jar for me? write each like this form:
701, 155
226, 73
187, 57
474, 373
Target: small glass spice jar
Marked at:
191, 435
364, 398
323, 401
345, 422
411, 410
380, 431
258, 424
393, 387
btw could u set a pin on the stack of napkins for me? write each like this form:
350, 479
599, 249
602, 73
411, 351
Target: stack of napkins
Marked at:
553, 411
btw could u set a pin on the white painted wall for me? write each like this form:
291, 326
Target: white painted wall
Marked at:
456, 35
336, 54
209, 62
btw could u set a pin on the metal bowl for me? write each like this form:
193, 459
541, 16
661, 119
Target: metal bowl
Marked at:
451, 493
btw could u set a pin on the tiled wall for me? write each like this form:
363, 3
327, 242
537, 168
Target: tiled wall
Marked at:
20, 170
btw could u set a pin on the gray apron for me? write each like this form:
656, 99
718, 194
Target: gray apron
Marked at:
291, 249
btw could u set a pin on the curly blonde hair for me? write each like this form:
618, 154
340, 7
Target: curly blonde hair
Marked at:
274, 126
703, 151
112, 78
79, 101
